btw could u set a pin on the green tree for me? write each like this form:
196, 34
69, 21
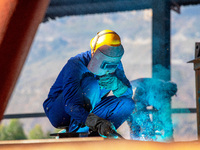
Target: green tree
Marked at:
3, 133
37, 133
14, 131
48, 135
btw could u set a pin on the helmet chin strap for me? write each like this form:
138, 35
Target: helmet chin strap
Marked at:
97, 37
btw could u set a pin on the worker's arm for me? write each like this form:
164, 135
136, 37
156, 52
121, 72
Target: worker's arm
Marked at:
121, 76
117, 82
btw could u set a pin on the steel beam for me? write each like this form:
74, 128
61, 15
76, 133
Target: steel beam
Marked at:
79, 7
196, 63
161, 52
161, 40
19, 20
197, 78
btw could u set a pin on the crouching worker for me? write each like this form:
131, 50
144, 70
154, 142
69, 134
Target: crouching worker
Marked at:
79, 97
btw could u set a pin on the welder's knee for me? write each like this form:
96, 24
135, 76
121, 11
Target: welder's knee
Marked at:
54, 110
91, 91
55, 124
128, 104
89, 84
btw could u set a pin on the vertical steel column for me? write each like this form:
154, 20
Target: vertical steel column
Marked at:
196, 63
161, 54
161, 40
197, 78
19, 20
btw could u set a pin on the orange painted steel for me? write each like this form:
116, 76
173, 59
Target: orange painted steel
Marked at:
19, 20
89, 144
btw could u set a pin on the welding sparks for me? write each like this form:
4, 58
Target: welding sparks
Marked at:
154, 125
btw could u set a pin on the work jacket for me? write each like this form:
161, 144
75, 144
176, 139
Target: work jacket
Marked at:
68, 83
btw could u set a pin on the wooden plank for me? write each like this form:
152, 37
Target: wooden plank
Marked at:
99, 144
42, 141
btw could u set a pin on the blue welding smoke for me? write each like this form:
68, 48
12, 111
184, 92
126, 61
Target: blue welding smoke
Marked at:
151, 125
160, 72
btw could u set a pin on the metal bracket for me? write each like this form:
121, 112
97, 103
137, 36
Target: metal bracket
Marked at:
69, 135
175, 6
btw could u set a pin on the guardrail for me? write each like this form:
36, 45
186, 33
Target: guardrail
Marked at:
27, 115
36, 115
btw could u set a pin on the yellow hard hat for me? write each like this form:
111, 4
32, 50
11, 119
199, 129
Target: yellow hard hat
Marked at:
105, 37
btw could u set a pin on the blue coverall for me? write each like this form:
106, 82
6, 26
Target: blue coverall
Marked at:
76, 93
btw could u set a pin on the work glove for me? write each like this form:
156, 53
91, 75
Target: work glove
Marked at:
104, 127
111, 82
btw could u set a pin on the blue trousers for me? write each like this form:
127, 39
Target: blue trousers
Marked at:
111, 108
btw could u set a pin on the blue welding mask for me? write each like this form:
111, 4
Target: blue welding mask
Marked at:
105, 59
